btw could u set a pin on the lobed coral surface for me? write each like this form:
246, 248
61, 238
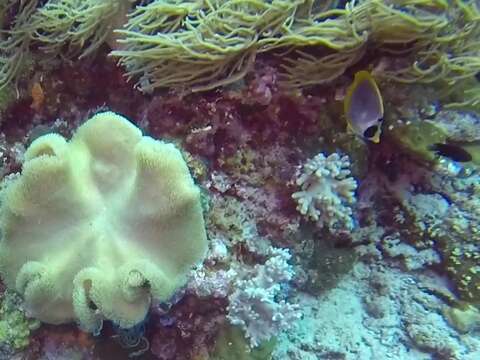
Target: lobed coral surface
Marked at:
95, 227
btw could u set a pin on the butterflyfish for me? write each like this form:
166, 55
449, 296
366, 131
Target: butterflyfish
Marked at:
363, 106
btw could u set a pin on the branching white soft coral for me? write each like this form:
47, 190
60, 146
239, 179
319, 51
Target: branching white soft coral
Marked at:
328, 191
96, 226
258, 304
257, 295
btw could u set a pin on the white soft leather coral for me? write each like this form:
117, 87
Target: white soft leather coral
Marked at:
95, 227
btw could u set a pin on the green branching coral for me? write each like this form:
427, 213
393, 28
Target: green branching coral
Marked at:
15, 327
202, 45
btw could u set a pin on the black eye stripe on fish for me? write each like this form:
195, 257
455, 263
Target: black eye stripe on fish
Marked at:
370, 132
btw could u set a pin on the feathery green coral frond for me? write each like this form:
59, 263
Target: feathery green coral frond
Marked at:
208, 44
82, 25
69, 28
202, 45
14, 44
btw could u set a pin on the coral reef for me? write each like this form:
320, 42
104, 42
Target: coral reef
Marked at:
258, 301
327, 191
117, 241
376, 254
375, 311
458, 234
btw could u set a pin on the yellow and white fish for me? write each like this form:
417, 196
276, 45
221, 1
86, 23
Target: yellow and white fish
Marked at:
363, 106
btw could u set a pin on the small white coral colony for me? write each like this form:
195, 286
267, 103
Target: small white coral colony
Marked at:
327, 191
95, 227
259, 304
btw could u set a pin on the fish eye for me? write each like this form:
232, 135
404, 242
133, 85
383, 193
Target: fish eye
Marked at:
370, 131
380, 120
